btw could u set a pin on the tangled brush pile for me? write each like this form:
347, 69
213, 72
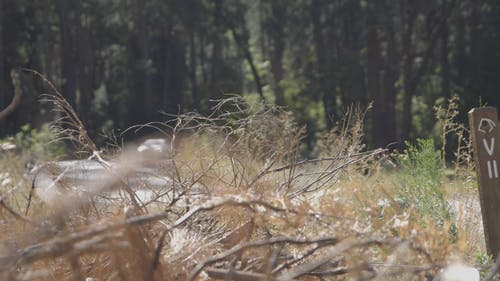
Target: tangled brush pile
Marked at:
238, 203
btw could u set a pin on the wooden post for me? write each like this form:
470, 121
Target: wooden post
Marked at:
485, 134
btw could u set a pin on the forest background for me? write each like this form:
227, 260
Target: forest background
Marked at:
127, 62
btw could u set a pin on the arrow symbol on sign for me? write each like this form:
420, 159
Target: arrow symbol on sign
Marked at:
486, 125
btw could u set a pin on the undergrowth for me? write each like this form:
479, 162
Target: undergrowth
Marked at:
420, 179
230, 198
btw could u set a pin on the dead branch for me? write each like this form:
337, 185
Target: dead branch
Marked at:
268, 242
237, 275
59, 246
17, 95
290, 263
306, 268
336, 251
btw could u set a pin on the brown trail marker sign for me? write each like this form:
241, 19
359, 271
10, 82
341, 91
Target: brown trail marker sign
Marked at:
485, 134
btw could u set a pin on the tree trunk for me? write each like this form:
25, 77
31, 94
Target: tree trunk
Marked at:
48, 55
68, 72
3, 90
192, 73
48, 60
390, 79
146, 109
412, 74
242, 42
460, 61
16, 99
326, 90
173, 73
216, 55
474, 71
83, 66
277, 47
409, 14
374, 61
205, 80
445, 64
354, 76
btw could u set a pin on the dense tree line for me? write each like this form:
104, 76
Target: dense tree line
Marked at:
123, 62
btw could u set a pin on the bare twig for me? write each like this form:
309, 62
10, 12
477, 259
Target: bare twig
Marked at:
324, 159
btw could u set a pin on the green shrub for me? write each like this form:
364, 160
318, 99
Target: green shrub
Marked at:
42, 142
420, 179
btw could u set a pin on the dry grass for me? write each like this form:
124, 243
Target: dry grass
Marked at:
241, 205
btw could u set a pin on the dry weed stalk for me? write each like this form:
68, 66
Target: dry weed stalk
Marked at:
69, 126
452, 128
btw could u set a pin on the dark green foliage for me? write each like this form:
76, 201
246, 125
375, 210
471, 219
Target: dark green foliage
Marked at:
125, 62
